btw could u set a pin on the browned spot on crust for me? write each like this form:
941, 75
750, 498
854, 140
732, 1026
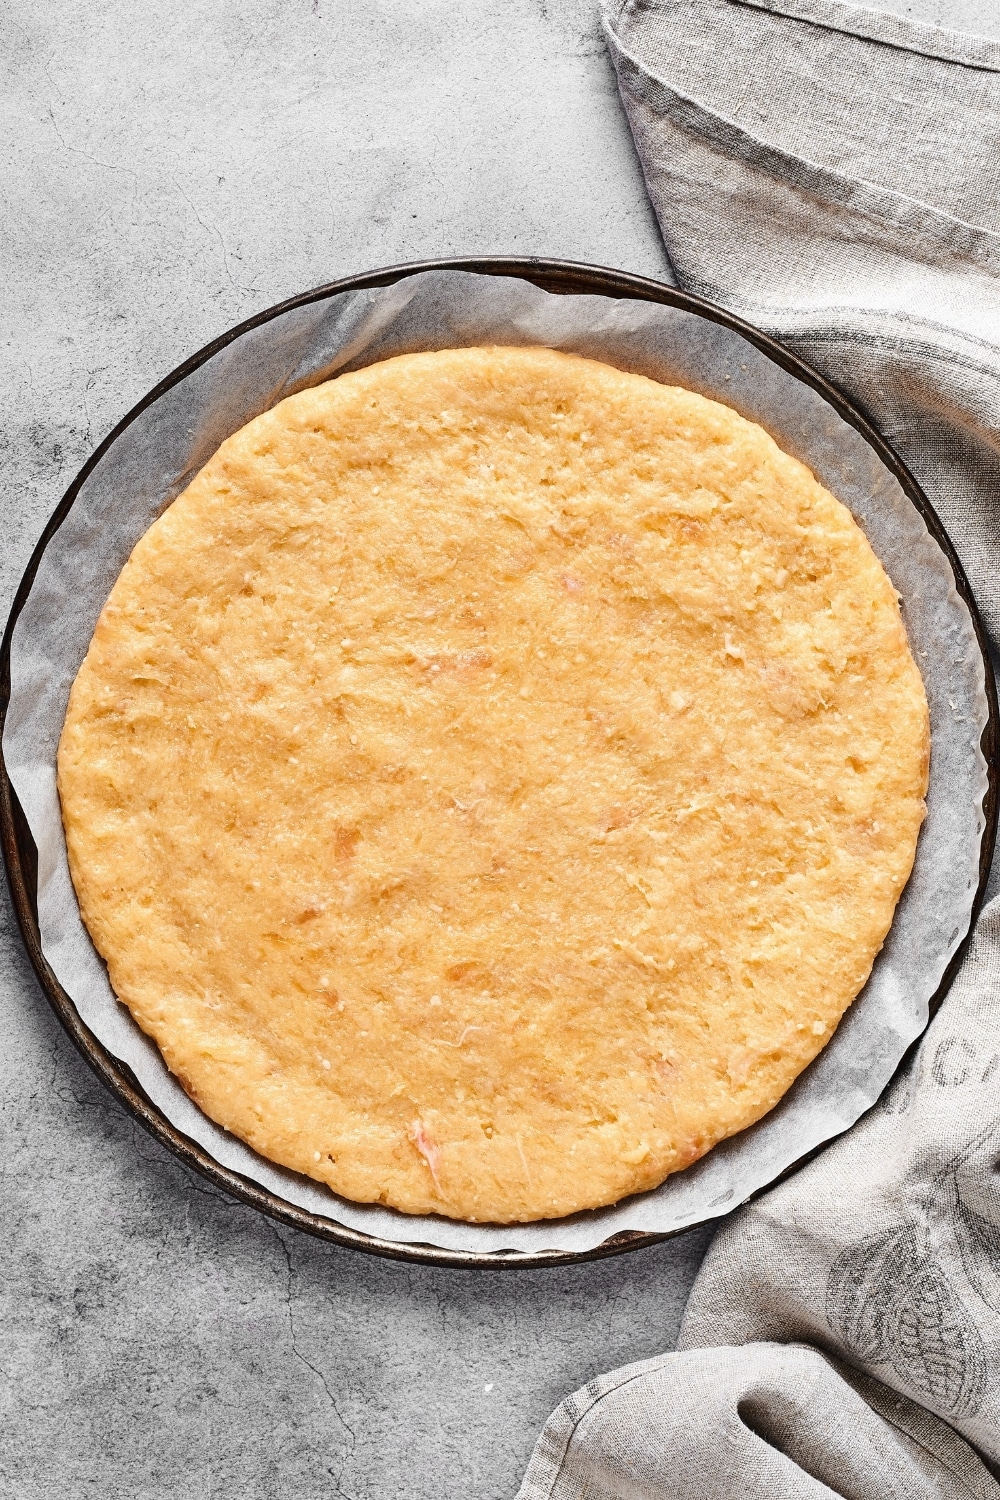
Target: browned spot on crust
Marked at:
345, 843
469, 971
309, 913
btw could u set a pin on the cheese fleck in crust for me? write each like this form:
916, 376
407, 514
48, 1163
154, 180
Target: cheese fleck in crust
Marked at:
492, 779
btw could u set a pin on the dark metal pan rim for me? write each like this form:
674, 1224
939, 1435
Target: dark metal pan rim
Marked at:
19, 853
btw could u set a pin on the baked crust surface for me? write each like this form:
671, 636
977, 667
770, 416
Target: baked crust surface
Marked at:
492, 779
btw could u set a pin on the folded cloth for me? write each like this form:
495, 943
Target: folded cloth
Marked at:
833, 176
765, 1422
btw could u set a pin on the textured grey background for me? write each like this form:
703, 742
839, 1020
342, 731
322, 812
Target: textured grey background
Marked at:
168, 172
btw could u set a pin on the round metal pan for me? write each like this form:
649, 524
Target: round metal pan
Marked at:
19, 853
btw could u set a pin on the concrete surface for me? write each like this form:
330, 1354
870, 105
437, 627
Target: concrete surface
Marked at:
169, 171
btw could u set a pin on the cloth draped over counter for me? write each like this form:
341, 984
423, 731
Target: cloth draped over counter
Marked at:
832, 175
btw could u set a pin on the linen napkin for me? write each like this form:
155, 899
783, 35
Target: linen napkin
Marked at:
832, 175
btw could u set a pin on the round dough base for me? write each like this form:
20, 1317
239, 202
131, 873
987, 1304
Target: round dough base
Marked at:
492, 779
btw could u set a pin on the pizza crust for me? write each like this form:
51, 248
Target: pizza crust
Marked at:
492, 779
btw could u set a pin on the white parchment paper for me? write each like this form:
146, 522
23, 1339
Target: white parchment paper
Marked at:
163, 448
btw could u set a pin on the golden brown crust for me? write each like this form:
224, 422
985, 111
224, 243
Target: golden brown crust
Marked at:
492, 779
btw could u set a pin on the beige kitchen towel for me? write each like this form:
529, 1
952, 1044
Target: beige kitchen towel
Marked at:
832, 175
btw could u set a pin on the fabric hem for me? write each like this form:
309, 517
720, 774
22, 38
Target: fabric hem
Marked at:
549, 1455
901, 32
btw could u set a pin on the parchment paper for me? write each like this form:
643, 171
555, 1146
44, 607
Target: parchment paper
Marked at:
160, 452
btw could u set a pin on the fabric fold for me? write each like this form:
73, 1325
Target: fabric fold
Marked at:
767, 1422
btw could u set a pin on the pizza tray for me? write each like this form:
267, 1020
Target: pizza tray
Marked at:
808, 417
